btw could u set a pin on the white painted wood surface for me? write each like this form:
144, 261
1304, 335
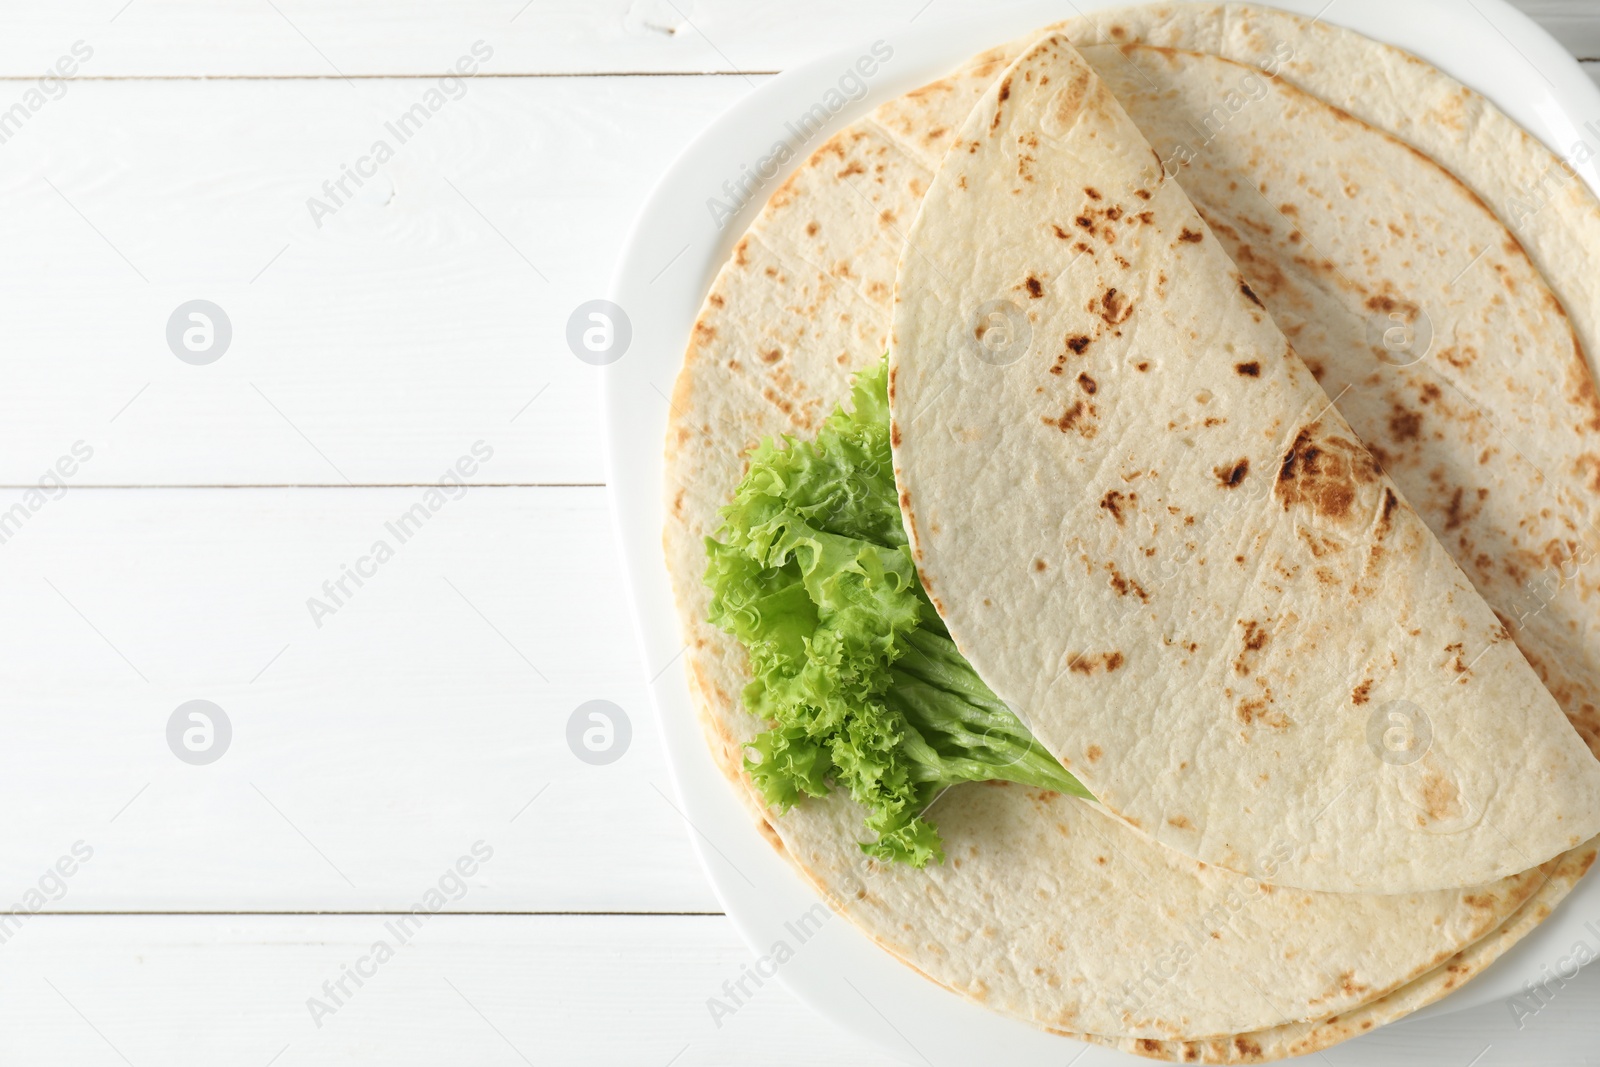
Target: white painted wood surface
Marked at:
316, 38
429, 711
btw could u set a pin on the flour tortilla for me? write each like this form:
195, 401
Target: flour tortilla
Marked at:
1300, 1039
1533, 550
1149, 531
803, 304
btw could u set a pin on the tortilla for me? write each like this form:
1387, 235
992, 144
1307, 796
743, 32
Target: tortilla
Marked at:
1300, 1039
1151, 534
1521, 384
805, 302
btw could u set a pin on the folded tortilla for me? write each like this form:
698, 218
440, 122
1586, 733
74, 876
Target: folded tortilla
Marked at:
1153, 535
1048, 910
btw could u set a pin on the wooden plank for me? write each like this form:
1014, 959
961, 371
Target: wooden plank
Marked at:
426, 712
602, 991
211, 38
429, 310
479, 990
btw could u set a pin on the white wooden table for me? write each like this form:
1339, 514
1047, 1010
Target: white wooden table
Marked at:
419, 719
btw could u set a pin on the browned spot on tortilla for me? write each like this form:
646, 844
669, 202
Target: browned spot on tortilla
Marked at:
716, 299
894, 434
1069, 419
1112, 502
1114, 307
1255, 639
1361, 693
1124, 585
1230, 476
1078, 343
1260, 709
1084, 222
812, 228
1440, 799
1091, 192
771, 355
1093, 753
1142, 194
1249, 370
1188, 236
1088, 662
1113, 213
1247, 1046
1005, 89
1180, 821
1244, 287
1039, 565
1456, 514
1035, 290
1059, 232
1405, 424
1141, 366
1323, 472
1087, 384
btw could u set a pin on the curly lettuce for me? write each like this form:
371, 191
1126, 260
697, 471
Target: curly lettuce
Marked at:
854, 673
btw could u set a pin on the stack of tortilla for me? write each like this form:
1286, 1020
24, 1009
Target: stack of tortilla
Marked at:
1234, 430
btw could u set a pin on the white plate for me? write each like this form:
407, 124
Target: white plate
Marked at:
665, 270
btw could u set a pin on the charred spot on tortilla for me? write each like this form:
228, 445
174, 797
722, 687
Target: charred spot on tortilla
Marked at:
1112, 502
1035, 289
1112, 307
1059, 232
1244, 287
1078, 342
1091, 192
1249, 370
1230, 476
1069, 419
1323, 472
1188, 236
1087, 384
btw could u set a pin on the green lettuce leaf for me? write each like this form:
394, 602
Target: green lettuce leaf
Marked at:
854, 673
